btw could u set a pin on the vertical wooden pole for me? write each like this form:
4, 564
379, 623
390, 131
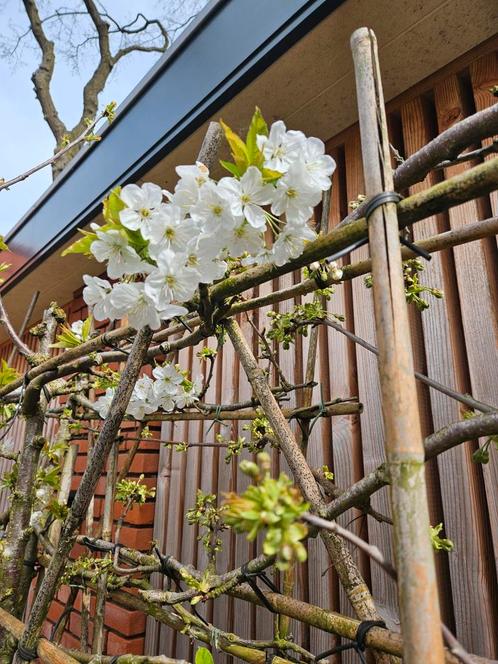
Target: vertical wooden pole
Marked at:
417, 589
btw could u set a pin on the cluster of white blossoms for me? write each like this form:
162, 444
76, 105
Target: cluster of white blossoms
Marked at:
163, 245
169, 391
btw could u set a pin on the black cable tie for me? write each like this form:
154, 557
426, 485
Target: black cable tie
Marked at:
114, 659
363, 628
163, 560
251, 577
416, 250
184, 323
27, 654
357, 644
29, 563
106, 341
93, 546
380, 199
367, 209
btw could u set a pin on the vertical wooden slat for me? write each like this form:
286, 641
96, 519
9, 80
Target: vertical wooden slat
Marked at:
479, 327
484, 76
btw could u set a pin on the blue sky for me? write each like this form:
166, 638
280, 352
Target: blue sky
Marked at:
25, 139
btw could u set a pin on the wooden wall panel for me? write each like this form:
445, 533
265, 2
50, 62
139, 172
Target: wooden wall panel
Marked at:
453, 342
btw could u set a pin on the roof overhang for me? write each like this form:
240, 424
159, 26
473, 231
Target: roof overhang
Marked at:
291, 57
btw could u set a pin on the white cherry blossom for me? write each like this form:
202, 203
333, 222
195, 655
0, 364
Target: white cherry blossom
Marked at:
169, 230
201, 254
143, 399
290, 242
188, 397
112, 246
103, 404
213, 209
172, 311
318, 165
247, 195
187, 189
130, 299
97, 295
171, 280
281, 147
294, 197
243, 238
168, 380
142, 204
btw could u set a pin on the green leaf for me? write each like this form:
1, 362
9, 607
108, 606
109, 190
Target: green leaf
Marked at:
237, 146
3, 246
269, 175
257, 126
7, 374
85, 330
81, 246
67, 339
113, 206
231, 168
203, 656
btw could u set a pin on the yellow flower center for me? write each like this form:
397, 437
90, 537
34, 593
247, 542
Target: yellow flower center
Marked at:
144, 213
291, 193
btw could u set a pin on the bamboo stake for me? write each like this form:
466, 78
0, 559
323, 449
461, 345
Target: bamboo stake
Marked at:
107, 518
417, 589
47, 652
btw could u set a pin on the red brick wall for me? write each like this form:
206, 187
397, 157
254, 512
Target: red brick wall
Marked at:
124, 630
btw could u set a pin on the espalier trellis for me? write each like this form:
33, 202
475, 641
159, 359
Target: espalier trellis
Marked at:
177, 263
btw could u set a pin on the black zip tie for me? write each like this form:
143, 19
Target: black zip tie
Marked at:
184, 323
393, 197
380, 199
358, 643
216, 420
27, 654
29, 563
164, 559
369, 207
113, 346
416, 250
251, 577
114, 659
86, 541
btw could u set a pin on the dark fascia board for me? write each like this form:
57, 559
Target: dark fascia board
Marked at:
226, 48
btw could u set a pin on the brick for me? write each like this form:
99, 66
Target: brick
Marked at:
128, 623
75, 625
136, 538
139, 514
118, 645
77, 604
55, 611
63, 594
142, 463
70, 641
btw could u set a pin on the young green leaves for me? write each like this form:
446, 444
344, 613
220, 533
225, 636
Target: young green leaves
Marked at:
247, 153
273, 506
